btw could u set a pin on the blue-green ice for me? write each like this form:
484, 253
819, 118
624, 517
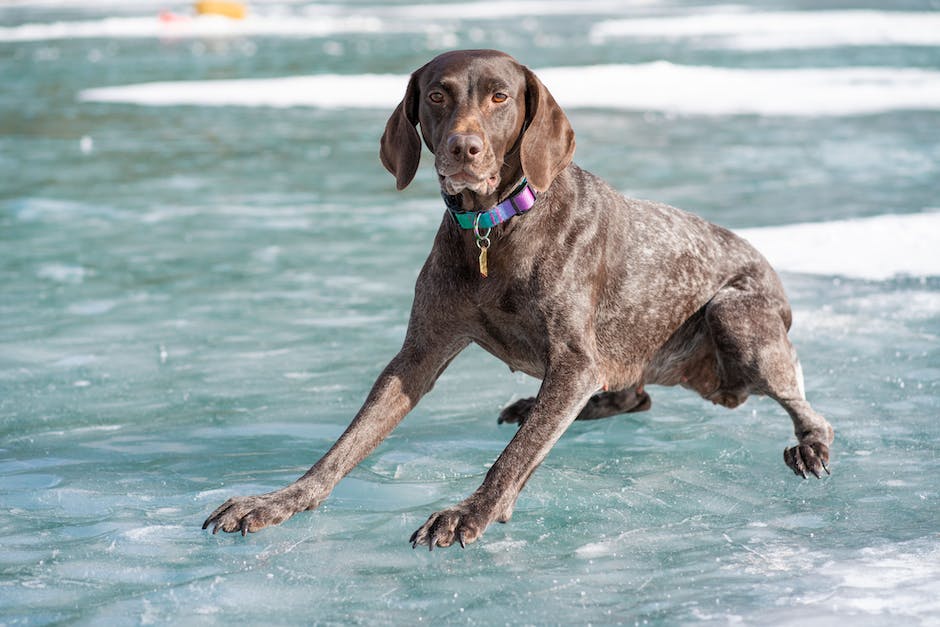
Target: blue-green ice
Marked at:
200, 280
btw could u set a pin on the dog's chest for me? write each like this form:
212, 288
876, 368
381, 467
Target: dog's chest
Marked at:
510, 332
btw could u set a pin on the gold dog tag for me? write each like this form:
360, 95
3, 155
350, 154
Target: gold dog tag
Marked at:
483, 243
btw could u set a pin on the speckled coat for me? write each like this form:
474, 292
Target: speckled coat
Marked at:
595, 294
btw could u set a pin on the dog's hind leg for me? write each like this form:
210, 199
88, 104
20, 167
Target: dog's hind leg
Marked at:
813, 432
748, 320
601, 405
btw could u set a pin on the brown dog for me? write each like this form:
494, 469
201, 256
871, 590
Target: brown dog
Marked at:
592, 293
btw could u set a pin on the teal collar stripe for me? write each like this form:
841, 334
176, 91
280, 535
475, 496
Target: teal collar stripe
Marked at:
520, 201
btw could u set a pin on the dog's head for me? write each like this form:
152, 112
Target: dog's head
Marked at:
485, 116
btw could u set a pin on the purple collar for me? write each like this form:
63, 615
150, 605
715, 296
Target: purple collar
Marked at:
520, 200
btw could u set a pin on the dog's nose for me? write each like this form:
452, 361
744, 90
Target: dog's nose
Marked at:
465, 146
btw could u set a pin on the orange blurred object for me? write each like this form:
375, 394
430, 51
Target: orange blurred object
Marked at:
234, 10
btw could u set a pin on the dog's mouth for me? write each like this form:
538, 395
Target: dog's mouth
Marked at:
461, 180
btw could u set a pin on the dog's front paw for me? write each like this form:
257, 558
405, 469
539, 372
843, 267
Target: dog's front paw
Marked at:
458, 524
808, 456
248, 514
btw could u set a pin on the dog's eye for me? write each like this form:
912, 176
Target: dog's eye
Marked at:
500, 97
436, 97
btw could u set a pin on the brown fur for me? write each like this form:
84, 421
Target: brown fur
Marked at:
595, 294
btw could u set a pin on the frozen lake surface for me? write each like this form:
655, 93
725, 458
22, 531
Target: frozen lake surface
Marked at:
200, 282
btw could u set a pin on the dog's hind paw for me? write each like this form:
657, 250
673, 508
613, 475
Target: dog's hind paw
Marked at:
601, 405
808, 457
443, 528
517, 412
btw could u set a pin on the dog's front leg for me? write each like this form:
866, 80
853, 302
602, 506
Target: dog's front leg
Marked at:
403, 382
562, 395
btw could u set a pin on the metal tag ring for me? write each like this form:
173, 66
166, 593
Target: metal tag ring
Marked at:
476, 230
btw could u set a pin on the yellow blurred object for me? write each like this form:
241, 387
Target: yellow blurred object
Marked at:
234, 10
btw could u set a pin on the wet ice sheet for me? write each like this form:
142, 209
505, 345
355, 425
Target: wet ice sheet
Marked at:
138, 414
196, 300
658, 86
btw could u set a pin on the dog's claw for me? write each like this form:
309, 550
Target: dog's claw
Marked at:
808, 457
459, 525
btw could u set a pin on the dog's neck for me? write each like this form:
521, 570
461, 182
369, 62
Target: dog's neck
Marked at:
480, 223
470, 201
519, 200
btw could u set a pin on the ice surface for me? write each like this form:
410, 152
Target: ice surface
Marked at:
876, 248
200, 26
296, 20
754, 30
195, 307
659, 86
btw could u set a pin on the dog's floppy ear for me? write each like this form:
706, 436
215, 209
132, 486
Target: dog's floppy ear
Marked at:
548, 141
400, 149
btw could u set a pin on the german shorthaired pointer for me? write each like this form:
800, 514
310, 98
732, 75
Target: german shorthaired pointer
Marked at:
559, 276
